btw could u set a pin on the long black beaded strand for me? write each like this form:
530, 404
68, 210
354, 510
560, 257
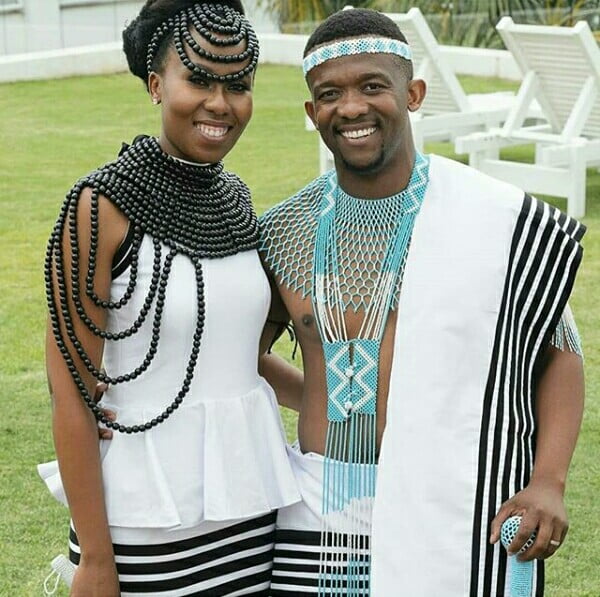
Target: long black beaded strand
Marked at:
90, 278
133, 266
65, 311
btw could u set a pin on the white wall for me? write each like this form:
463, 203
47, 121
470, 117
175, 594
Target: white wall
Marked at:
276, 48
53, 24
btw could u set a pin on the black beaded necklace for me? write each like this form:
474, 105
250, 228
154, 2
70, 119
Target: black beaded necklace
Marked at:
197, 211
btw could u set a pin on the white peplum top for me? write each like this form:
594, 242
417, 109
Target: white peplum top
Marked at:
221, 455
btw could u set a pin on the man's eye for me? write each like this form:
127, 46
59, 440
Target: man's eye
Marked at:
329, 94
373, 86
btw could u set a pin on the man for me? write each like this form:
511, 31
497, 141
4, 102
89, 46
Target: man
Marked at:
424, 296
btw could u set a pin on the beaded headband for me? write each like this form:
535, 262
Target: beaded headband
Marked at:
208, 20
359, 45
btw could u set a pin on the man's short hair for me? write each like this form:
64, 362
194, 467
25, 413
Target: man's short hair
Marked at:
357, 22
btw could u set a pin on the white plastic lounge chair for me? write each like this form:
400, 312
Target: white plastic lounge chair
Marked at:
561, 68
447, 110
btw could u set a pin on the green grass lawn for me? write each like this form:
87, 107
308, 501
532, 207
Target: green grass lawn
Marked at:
52, 132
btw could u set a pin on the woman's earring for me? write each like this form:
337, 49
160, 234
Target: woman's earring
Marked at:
155, 101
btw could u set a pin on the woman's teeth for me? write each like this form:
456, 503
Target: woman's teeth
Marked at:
212, 131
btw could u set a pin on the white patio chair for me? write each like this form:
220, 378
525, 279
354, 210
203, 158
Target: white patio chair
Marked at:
447, 110
561, 68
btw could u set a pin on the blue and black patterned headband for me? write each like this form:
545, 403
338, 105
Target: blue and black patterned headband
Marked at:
355, 45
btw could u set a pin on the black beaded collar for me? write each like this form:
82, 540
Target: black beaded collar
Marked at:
198, 211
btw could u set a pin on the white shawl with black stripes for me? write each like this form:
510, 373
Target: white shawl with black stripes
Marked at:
488, 275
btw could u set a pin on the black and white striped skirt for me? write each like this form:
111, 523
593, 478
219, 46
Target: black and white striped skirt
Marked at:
314, 556
235, 559
300, 567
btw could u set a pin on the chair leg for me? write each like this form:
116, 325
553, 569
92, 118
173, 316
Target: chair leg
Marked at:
325, 158
492, 153
418, 139
576, 196
538, 148
475, 158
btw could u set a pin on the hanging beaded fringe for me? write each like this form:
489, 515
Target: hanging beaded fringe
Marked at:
194, 211
349, 489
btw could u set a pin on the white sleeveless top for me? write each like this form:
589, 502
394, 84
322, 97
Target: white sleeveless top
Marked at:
221, 455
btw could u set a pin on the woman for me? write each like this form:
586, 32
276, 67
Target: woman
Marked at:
152, 272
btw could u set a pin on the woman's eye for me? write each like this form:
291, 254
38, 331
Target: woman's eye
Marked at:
239, 87
199, 82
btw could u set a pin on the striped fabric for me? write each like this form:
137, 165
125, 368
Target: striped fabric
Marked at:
298, 561
545, 253
235, 560
126, 252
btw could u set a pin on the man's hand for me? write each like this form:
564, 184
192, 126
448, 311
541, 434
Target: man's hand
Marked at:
103, 433
542, 507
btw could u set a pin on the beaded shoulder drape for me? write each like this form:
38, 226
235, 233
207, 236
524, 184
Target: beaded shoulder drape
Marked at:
197, 211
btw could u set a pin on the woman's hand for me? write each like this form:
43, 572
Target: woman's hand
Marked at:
96, 579
103, 432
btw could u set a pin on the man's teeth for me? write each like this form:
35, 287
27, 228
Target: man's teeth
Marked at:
212, 131
358, 134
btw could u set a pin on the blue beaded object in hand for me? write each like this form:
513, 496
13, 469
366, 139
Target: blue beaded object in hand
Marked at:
519, 574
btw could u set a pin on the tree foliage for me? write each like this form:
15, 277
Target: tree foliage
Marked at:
456, 22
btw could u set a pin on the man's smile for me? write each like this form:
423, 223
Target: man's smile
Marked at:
358, 133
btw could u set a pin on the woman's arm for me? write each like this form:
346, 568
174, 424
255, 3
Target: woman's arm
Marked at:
286, 380
74, 427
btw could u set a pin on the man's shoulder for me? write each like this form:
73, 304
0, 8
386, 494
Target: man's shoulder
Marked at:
287, 233
478, 197
459, 182
302, 204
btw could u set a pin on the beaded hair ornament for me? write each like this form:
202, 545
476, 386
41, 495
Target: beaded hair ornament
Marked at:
357, 45
218, 24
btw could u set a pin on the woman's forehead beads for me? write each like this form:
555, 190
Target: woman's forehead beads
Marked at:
220, 26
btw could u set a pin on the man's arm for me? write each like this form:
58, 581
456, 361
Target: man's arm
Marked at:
559, 410
286, 380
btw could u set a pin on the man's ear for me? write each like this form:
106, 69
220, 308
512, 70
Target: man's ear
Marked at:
155, 87
309, 107
417, 89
